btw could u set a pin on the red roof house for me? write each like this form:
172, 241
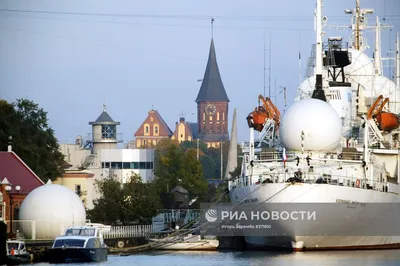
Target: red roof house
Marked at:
14, 172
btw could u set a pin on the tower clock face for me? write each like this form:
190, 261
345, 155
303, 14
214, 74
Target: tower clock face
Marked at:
210, 109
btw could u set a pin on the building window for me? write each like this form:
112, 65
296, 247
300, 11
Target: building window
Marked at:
78, 190
210, 118
204, 116
144, 142
146, 129
142, 165
223, 115
126, 165
135, 165
108, 131
116, 165
217, 115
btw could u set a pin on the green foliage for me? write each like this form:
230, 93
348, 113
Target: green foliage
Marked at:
133, 201
175, 166
32, 138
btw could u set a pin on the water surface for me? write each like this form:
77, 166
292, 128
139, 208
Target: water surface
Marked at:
213, 258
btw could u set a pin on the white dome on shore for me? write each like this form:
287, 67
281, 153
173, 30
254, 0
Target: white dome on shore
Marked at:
48, 210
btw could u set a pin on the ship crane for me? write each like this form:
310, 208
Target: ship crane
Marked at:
265, 119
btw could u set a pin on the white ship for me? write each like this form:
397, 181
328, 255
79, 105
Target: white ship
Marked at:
338, 142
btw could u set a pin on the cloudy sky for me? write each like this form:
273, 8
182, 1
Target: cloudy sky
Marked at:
72, 56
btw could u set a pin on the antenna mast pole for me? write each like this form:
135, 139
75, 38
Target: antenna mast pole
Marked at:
357, 30
221, 161
264, 65
398, 61
377, 54
318, 46
269, 74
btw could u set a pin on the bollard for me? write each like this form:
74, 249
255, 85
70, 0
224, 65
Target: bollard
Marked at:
3, 242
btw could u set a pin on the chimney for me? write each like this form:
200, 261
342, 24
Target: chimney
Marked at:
9, 144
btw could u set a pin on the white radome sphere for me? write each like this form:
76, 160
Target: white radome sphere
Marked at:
53, 208
319, 122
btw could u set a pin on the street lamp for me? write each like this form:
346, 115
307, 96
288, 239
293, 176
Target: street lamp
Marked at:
10, 194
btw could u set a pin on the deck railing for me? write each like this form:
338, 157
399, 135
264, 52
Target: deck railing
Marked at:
40, 230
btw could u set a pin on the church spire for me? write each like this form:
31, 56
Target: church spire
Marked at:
212, 89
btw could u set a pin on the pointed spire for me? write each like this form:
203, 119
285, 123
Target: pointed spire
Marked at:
104, 118
212, 28
49, 182
232, 153
212, 89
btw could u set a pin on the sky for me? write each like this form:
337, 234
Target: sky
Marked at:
73, 56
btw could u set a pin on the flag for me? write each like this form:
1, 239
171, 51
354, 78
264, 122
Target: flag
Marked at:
284, 157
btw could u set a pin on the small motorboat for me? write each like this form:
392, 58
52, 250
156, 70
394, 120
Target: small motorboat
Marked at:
16, 252
79, 244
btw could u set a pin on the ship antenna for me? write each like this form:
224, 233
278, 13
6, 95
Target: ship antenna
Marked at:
269, 70
377, 54
264, 65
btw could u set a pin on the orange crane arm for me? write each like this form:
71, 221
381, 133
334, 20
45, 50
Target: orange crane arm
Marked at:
382, 105
273, 112
372, 108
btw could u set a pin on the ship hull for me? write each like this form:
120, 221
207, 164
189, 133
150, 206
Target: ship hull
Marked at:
321, 193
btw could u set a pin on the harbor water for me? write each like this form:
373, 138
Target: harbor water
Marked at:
194, 258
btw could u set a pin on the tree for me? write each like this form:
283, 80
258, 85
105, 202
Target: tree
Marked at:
32, 138
126, 203
175, 166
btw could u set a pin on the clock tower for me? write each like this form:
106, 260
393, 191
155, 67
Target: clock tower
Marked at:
212, 104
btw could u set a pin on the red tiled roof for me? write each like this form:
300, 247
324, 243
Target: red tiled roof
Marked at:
18, 173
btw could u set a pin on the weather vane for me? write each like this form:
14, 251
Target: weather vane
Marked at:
212, 27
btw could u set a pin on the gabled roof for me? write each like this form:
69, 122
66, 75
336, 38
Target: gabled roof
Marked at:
18, 173
212, 89
164, 128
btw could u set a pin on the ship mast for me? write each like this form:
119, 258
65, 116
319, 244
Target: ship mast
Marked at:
357, 29
358, 23
318, 92
377, 53
398, 61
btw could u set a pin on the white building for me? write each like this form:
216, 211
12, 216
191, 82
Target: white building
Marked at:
100, 156
123, 162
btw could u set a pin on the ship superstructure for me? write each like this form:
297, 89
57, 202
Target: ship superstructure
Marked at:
339, 141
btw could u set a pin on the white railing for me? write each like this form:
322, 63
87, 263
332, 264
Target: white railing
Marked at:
131, 231
45, 230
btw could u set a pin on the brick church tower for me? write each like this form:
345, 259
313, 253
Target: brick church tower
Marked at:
212, 105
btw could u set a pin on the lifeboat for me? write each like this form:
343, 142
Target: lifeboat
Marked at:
387, 121
259, 116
